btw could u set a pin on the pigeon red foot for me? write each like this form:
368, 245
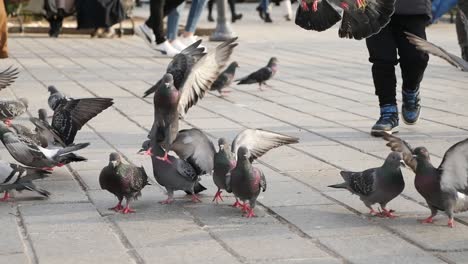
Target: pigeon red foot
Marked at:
428, 220
7, 122
218, 196
451, 223
245, 207
6, 197
128, 210
118, 207
195, 199
250, 213
387, 213
237, 204
165, 158
169, 200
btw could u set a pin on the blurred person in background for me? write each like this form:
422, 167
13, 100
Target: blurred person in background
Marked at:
461, 29
3, 31
232, 6
55, 12
99, 15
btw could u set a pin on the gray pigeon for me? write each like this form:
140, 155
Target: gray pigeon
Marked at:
430, 48
123, 180
175, 175
24, 131
189, 75
262, 75
257, 141
225, 79
361, 18
246, 181
70, 114
7, 77
444, 188
10, 109
19, 178
26, 152
377, 185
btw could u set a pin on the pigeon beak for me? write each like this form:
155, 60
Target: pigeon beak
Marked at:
167, 84
402, 163
114, 163
415, 156
221, 146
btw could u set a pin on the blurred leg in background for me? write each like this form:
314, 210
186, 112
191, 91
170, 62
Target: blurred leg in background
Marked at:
461, 29
3, 31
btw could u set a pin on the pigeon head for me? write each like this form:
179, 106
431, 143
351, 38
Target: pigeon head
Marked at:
234, 65
273, 61
421, 153
115, 159
223, 144
394, 159
168, 80
52, 89
145, 148
243, 153
42, 113
24, 101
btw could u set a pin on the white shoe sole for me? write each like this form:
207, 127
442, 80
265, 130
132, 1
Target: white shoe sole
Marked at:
381, 133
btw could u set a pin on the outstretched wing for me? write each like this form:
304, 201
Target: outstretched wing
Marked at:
203, 74
23, 152
71, 116
8, 76
430, 48
399, 145
47, 130
260, 141
454, 168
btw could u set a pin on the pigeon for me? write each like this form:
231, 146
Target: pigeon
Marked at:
258, 142
19, 178
34, 136
175, 175
193, 146
202, 68
377, 185
10, 109
430, 48
361, 18
444, 188
262, 75
188, 77
123, 180
225, 79
7, 77
246, 181
26, 152
70, 115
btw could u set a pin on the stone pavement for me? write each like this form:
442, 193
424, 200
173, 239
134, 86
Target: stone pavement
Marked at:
323, 94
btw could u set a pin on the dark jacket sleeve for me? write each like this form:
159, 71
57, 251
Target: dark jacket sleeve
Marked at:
413, 7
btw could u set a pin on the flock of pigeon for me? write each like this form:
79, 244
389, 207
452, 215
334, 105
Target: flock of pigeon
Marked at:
188, 77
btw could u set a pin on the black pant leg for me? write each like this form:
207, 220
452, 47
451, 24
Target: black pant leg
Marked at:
383, 56
413, 62
210, 7
171, 5
155, 21
232, 6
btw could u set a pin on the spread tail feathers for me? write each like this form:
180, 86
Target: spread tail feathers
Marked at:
72, 148
30, 186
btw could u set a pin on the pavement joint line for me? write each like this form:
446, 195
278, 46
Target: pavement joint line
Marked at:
28, 245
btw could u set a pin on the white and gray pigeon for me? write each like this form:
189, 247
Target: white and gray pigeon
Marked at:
377, 185
257, 141
7, 77
262, 75
189, 75
124, 181
246, 181
225, 79
26, 152
70, 115
10, 109
19, 178
444, 188
175, 175
361, 18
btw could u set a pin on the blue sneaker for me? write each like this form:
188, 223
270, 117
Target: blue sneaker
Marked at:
411, 109
388, 121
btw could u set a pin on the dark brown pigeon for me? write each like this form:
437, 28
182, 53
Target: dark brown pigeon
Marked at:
361, 18
225, 79
262, 75
189, 75
258, 142
246, 181
19, 178
10, 109
124, 181
7, 77
444, 188
377, 185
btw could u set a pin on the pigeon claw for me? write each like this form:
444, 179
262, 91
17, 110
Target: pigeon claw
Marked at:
218, 196
315, 6
451, 223
165, 158
127, 210
195, 199
344, 5
304, 5
250, 213
167, 201
6, 197
387, 213
237, 204
117, 208
7, 122
245, 207
428, 220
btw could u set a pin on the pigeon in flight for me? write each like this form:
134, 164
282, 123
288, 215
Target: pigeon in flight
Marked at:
225, 79
10, 109
123, 180
7, 77
444, 188
377, 185
188, 77
262, 75
19, 178
257, 141
361, 18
